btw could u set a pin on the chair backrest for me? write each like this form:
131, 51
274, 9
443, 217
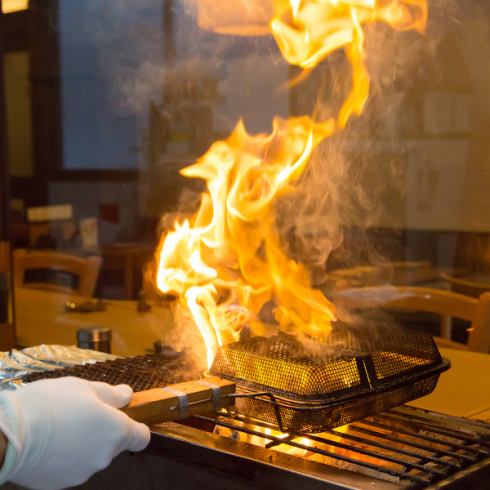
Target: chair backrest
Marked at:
466, 286
7, 332
86, 271
439, 301
4, 257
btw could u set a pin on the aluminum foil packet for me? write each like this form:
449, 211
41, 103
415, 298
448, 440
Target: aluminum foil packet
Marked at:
18, 363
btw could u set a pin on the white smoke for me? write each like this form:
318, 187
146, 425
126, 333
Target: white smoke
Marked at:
355, 180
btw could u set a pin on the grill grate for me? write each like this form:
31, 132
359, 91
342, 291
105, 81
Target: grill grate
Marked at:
404, 444
140, 372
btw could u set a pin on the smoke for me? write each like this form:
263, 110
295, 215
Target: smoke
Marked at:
126, 46
355, 182
187, 338
142, 46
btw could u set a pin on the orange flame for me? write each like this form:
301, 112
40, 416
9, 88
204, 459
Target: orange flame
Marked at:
308, 31
227, 262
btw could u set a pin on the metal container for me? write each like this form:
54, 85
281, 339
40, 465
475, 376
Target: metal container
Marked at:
314, 386
95, 338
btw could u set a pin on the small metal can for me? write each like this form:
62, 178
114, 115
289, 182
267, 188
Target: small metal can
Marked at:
165, 351
95, 338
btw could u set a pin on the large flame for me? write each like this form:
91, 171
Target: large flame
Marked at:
228, 262
307, 31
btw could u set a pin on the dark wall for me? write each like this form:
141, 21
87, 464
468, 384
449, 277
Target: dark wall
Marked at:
4, 170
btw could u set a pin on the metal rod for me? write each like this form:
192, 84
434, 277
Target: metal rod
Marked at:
193, 404
455, 433
285, 440
414, 444
352, 437
248, 420
425, 437
414, 454
386, 457
389, 471
273, 400
408, 411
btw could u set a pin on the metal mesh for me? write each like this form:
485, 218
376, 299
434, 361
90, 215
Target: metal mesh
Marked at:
392, 350
358, 372
141, 372
335, 415
353, 359
282, 363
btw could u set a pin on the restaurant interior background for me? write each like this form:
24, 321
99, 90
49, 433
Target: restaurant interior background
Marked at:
104, 101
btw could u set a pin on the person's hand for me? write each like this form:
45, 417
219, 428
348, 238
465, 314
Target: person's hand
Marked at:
61, 431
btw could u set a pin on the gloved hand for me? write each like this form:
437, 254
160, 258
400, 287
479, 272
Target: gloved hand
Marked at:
61, 431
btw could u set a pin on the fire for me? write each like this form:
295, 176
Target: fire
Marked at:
296, 451
228, 261
308, 31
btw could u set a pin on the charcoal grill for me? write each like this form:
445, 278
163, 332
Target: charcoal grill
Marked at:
400, 448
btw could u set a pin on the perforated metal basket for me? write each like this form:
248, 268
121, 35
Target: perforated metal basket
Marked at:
357, 372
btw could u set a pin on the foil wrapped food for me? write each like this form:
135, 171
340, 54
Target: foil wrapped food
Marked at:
17, 363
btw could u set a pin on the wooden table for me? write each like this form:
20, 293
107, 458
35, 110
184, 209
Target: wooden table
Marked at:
464, 390
41, 319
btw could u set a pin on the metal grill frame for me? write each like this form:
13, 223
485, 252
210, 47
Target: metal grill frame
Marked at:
462, 458
317, 418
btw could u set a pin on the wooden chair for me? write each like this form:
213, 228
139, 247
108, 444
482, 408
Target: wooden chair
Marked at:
396, 273
7, 330
469, 287
85, 270
128, 259
444, 303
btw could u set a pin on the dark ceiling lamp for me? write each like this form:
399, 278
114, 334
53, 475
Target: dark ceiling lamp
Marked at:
235, 17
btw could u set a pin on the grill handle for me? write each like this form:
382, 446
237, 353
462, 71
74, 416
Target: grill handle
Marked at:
179, 401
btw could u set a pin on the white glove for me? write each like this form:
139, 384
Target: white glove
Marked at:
61, 431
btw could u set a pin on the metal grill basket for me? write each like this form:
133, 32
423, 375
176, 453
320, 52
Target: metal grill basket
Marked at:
359, 372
